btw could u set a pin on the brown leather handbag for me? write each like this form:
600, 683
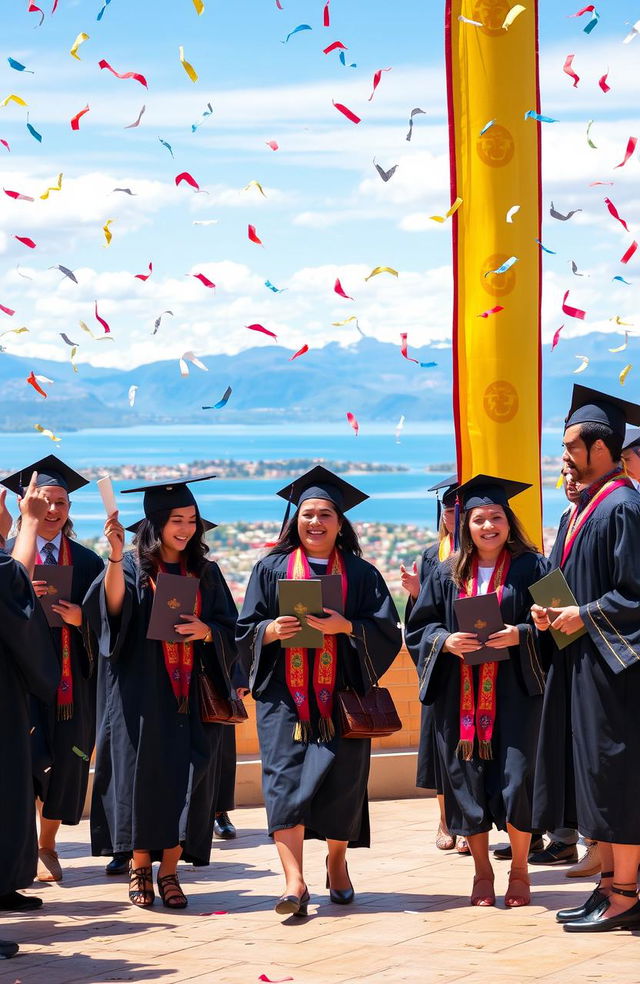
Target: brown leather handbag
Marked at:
216, 709
371, 716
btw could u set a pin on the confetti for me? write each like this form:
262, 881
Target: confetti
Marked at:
34, 9
66, 271
207, 112
144, 276
65, 338
103, 63
19, 67
589, 140
108, 235
399, 427
14, 331
632, 143
103, 9
274, 980
56, 187
559, 215
572, 312
34, 133
188, 67
532, 115
629, 253
618, 320
26, 241
621, 348
385, 175
78, 751
404, 348
18, 100
354, 423
32, 381
136, 122
46, 433
381, 269
255, 184
454, 208
467, 20
20, 274
199, 5
203, 280
75, 120
341, 324
126, 191
167, 145
594, 184
296, 30
158, 320
635, 30
132, 395
261, 328
222, 402
82, 37
377, 76
614, 212
190, 357
585, 363
560, 481
556, 337
301, 351
18, 196
276, 290
272, 143
334, 47
574, 269
512, 211
253, 236
546, 249
100, 320
343, 61
224, 912
346, 112
493, 310
625, 372
326, 20
7, 310
595, 17
339, 289
503, 266
622, 280
602, 82
511, 16
188, 178
415, 112
205, 222
486, 127
5, 144
568, 69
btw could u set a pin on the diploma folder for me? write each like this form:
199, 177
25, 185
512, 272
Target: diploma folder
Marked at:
301, 598
332, 592
481, 615
58, 578
175, 595
552, 591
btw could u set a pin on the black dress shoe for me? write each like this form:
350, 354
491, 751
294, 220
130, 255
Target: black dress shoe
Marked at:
119, 864
340, 896
222, 827
504, 853
555, 853
8, 948
14, 902
597, 922
293, 905
593, 902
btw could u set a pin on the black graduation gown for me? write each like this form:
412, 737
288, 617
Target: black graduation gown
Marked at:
28, 665
587, 773
323, 786
479, 793
63, 787
156, 770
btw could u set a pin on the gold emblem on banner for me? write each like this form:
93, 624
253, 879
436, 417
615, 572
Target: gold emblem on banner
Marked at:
495, 147
497, 284
491, 14
500, 401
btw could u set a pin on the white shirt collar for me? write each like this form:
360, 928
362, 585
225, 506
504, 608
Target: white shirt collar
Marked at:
56, 543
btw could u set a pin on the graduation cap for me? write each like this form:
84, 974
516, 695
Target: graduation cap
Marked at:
168, 495
589, 406
631, 438
487, 490
51, 471
448, 486
320, 483
208, 525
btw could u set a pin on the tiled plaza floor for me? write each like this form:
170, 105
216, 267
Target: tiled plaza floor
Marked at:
411, 921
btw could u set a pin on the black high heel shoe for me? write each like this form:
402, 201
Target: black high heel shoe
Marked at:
340, 896
293, 905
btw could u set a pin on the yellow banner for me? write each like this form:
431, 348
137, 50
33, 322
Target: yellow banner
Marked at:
495, 170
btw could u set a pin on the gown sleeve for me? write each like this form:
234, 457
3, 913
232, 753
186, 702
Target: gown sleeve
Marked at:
24, 633
528, 650
613, 620
376, 634
95, 566
427, 633
258, 610
221, 617
111, 632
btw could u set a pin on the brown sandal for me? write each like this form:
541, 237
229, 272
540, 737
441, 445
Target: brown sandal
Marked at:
514, 897
480, 895
139, 894
170, 892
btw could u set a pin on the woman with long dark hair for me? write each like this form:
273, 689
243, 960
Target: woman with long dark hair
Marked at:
157, 762
314, 780
486, 716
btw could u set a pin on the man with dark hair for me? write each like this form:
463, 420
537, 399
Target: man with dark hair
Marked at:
586, 774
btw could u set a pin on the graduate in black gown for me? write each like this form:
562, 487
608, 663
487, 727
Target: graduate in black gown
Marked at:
28, 666
587, 774
314, 780
428, 771
486, 717
156, 761
65, 727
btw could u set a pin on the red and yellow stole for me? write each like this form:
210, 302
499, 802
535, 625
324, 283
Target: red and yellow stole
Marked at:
480, 719
325, 662
578, 520
64, 695
178, 656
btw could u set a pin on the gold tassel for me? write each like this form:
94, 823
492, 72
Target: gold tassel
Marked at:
302, 732
486, 752
465, 750
327, 729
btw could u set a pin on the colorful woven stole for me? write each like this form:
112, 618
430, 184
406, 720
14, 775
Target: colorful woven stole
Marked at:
577, 520
445, 547
325, 662
64, 696
480, 719
178, 656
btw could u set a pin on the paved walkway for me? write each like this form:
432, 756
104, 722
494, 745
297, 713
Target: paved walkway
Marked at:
411, 921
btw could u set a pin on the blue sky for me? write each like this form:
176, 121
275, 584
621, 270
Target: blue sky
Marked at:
326, 211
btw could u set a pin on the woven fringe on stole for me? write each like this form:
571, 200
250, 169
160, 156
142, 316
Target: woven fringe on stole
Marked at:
302, 732
486, 752
183, 705
464, 750
64, 712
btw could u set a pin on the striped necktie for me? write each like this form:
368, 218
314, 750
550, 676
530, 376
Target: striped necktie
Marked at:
49, 554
